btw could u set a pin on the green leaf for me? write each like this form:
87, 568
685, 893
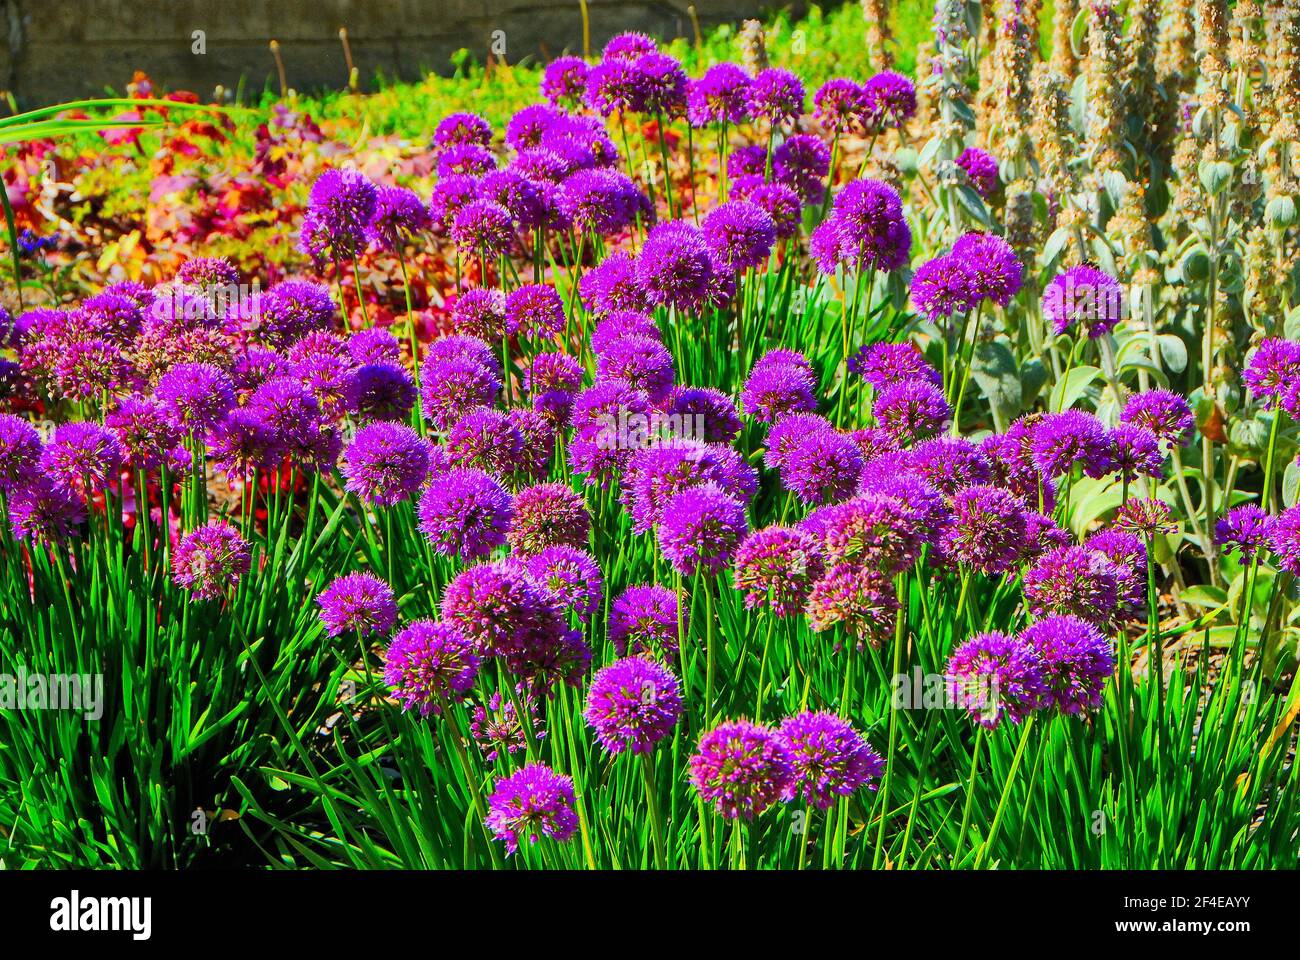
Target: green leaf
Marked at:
1069, 389
995, 371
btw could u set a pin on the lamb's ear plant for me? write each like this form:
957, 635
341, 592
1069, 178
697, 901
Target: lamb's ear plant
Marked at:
896, 483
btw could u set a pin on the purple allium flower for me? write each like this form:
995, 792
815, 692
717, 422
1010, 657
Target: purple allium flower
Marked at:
982, 171
1135, 452
289, 414
20, 451
462, 347
776, 567
823, 467
596, 449
482, 227
450, 196
911, 410
548, 515
633, 704
1146, 516
45, 510
621, 324
993, 269
1014, 467
82, 456
1073, 580
643, 619
830, 759
873, 442
1128, 552
839, 105
527, 125
207, 272
381, 391
803, 162
780, 201
741, 768
1059, 441
1077, 661
602, 201
386, 463
111, 316
451, 387
663, 85
238, 444
480, 313
775, 388
643, 362
629, 45
615, 86
612, 285
942, 287
890, 101
1283, 537
525, 200
466, 513
565, 81
465, 159
920, 500
496, 726
1243, 528
675, 269
1273, 366
721, 95
91, 368
951, 463
572, 578
534, 310
501, 609
739, 235
399, 215
428, 662
867, 230
357, 603
373, 345
1163, 412
656, 473
988, 530
789, 430
487, 439
1087, 296
330, 379
996, 677
881, 364
456, 128
553, 372
537, 436
746, 161
341, 204
776, 95
860, 600
873, 530
194, 396
533, 802
210, 560
706, 414
700, 529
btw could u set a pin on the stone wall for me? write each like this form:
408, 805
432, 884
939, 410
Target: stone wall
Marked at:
56, 50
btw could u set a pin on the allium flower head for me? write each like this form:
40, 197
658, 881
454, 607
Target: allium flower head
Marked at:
1073, 580
1273, 366
612, 285
1128, 553
776, 95
466, 513
572, 578
789, 430
615, 86
1077, 661
496, 726
1146, 517
950, 463
45, 510
380, 391
629, 45
534, 310
700, 529
889, 101
776, 567
996, 677
91, 368
739, 235
823, 467
341, 205
482, 227
553, 372
526, 126
633, 704
1163, 412
1060, 441
487, 439
533, 802
565, 81
82, 456
450, 195
921, 501
706, 414
839, 104
988, 529
941, 287
881, 364
1243, 528
779, 200
1283, 538
663, 85
526, 201
866, 231
456, 128
548, 515
481, 313
465, 159
357, 603
993, 269
399, 215
428, 662
195, 396
20, 451
803, 163
643, 619
775, 388
621, 324
386, 463
1135, 452
1084, 296
873, 530
292, 309
602, 201
911, 410
741, 768
675, 269
721, 95
829, 758
206, 272
501, 609
643, 362
450, 387
982, 170
210, 560
859, 600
